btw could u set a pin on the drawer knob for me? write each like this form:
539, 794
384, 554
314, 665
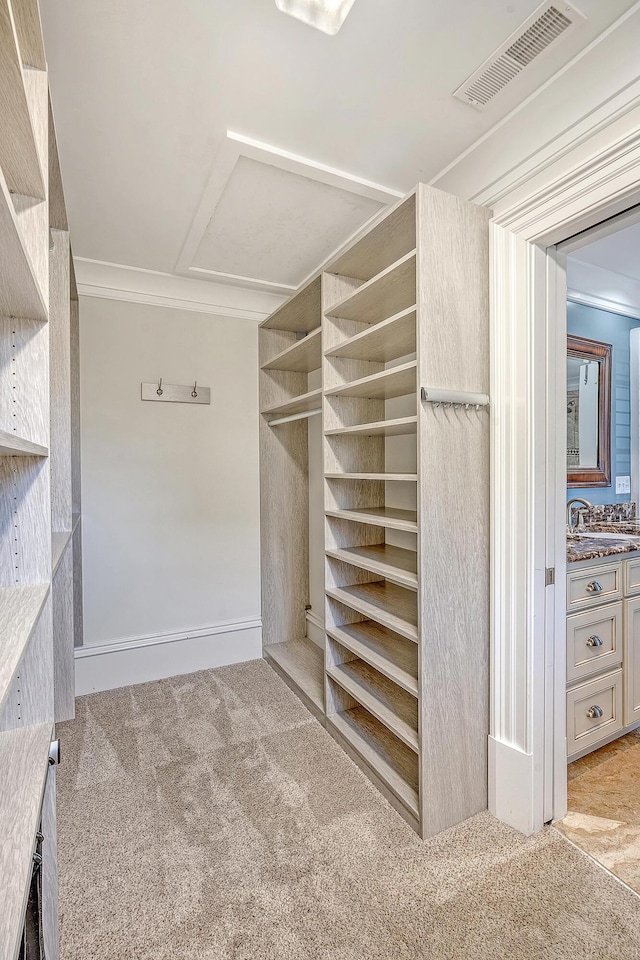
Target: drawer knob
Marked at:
594, 641
594, 587
594, 712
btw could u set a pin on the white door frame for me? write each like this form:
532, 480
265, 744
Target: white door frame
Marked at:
537, 208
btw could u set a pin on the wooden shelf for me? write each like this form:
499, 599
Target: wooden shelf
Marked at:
384, 477
383, 243
59, 543
387, 293
300, 313
386, 428
20, 608
11, 445
302, 662
22, 297
24, 761
393, 563
395, 382
19, 156
391, 338
305, 403
390, 517
391, 654
386, 603
384, 700
302, 356
394, 763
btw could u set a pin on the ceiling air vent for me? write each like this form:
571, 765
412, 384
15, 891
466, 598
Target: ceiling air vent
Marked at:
545, 25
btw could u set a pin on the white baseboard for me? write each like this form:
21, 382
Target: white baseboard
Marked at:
511, 786
121, 663
315, 629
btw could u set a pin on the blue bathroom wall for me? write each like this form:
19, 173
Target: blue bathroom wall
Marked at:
610, 328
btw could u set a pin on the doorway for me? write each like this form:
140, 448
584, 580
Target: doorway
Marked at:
598, 415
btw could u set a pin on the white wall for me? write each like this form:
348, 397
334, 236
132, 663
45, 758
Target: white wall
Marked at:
170, 493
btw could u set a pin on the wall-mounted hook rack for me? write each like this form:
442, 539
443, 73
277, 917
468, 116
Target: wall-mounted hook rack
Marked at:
175, 392
453, 398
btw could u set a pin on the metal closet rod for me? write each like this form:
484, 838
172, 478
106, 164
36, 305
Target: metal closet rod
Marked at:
294, 416
454, 398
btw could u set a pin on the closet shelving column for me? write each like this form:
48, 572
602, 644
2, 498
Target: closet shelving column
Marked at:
27, 791
290, 394
370, 423
406, 675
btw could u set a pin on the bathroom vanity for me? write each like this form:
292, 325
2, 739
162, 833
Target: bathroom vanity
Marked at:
603, 635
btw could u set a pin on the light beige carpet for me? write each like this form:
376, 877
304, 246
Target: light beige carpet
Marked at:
209, 816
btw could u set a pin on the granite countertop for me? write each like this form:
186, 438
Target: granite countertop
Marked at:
583, 547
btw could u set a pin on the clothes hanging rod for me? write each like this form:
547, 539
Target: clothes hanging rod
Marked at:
294, 416
453, 398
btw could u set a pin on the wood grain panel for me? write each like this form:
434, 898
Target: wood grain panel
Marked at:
36, 671
63, 640
24, 760
301, 313
24, 394
25, 521
26, 16
57, 210
78, 628
20, 609
50, 869
74, 363
383, 296
388, 239
19, 158
453, 509
60, 380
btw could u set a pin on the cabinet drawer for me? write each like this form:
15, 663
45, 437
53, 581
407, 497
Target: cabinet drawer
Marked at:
595, 585
594, 641
594, 711
631, 577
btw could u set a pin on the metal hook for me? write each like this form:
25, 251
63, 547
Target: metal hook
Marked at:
194, 392
160, 391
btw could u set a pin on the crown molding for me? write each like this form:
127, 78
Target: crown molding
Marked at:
117, 281
603, 289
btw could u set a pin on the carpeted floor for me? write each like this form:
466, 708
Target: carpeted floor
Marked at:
209, 816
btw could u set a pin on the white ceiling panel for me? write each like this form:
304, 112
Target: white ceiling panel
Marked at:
276, 226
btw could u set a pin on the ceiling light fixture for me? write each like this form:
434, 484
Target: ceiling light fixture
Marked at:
325, 15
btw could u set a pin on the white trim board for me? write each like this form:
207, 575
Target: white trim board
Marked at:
235, 146
116, 281
122, 663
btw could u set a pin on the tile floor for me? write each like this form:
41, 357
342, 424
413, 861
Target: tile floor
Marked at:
604, 807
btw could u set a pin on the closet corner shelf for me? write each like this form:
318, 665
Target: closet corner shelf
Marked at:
20, 608
391, 654
380, 477
301, 357
389, 759
305, 403
391, 518
301, 664
19, 154
11, 445
23, 296
59, 542
394, 382
387, 428
24, 761
386, 603
384, 341
389, 292
393, 563
300, 313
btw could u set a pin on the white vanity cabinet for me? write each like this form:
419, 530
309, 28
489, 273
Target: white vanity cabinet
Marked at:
603, 652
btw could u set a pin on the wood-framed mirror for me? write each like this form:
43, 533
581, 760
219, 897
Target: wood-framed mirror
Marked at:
588, 413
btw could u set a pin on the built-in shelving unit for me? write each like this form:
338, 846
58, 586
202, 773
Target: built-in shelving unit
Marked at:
405, 496
38, 375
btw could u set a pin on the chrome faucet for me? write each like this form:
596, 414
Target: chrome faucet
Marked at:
571, 502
